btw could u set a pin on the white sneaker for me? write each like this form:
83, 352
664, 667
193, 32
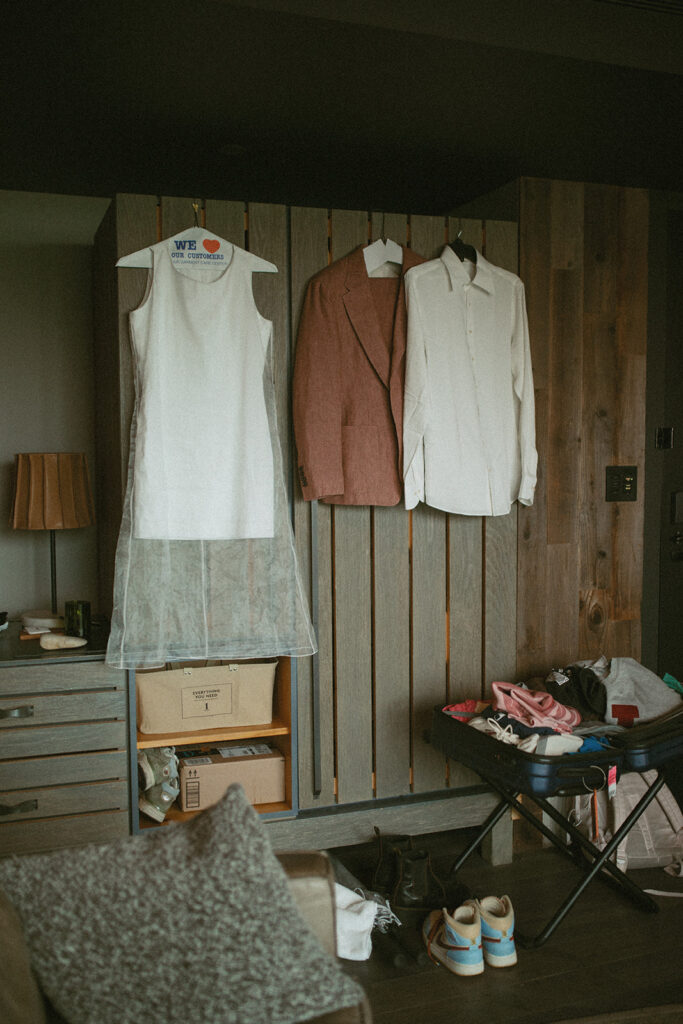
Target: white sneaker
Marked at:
497, 930
156, 765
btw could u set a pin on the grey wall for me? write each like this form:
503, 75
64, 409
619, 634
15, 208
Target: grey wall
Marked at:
46, 379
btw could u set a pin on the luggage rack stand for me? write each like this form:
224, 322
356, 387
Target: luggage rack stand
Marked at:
511, 773
599, 857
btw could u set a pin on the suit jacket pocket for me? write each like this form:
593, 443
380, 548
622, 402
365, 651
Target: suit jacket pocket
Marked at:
370, 461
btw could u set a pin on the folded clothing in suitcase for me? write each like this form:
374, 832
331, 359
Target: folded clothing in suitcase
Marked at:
535, 774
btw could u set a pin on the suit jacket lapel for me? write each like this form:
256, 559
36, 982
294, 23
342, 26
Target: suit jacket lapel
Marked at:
361, 310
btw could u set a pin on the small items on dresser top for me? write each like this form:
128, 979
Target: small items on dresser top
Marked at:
18, 646
58, 641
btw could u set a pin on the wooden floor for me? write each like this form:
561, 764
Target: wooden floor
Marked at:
606, 956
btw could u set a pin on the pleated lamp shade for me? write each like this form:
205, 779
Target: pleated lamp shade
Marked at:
51, 492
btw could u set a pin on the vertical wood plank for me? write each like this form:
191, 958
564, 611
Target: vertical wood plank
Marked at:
309, 253
565, 413
107, 479
391, 604
226, 218
268, 238
532, 565
465, 583
565, 419
136, 220
600, 386
395, 226
428, 594
352, 602
632, 308
177, 214
428, 235
500, 532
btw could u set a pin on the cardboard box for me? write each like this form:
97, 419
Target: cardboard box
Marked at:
192, 698
205, 775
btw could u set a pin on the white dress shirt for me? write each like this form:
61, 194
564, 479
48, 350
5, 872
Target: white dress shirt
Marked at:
468, 427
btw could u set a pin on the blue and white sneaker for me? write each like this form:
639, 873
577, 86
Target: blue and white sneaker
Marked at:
497, 930
454, 940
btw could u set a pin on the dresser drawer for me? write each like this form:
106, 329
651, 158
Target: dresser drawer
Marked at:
64, 747
87, 675
63, 770
39, 709
25, 804
63, 739
54, 833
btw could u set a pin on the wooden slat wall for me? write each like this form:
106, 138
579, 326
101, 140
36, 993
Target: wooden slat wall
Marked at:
583, 257
411, 608
391, 603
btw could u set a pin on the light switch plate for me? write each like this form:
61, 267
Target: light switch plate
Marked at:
621, 483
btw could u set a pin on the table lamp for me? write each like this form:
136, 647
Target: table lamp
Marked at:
51, 492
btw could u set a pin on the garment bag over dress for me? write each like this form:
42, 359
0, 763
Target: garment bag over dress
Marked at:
205, 564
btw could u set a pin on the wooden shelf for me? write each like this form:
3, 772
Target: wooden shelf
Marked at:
279, 727
174, 815
190, 739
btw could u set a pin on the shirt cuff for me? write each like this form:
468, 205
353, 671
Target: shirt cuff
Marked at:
526, 491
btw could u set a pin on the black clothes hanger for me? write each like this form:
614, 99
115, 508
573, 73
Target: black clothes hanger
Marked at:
462, 250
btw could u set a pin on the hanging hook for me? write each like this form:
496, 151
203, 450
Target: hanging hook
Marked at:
195, 207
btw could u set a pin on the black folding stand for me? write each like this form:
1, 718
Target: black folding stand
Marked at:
511, 772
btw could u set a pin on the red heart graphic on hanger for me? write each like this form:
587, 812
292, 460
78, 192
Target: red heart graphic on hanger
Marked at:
211, 244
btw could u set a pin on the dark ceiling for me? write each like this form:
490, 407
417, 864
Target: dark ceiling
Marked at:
363, 105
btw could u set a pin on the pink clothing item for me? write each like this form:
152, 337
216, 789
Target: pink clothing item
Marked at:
534, 707
465, 709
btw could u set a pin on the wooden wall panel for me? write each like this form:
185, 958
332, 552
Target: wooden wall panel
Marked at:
352, 600
390, 528
227, 219
428, 591
413, 608
268, 237
177, 214
309, 254
584, 261
500, 247
466, 564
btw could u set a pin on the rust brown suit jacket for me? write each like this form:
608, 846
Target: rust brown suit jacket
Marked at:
349, 373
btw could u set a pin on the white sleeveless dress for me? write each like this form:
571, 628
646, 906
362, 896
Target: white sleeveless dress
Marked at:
205, 563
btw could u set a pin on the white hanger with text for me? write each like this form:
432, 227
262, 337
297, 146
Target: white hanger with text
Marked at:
193, 243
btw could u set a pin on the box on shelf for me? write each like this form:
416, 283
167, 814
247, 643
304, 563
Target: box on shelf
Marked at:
192, 698
205, 775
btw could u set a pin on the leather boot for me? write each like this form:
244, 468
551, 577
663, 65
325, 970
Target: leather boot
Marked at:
417, 887
386, 871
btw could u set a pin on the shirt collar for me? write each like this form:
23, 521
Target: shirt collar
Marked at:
457, 271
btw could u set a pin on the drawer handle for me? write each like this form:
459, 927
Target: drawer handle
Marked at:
25, 711
24, 808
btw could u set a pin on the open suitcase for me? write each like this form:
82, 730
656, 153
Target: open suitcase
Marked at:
512, 772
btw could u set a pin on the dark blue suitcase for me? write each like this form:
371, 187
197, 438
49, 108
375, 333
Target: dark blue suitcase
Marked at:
541, 775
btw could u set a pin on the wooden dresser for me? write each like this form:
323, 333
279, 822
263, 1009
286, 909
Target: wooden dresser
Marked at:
64, 762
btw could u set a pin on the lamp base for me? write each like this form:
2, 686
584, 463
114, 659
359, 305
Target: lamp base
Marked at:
42, 619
